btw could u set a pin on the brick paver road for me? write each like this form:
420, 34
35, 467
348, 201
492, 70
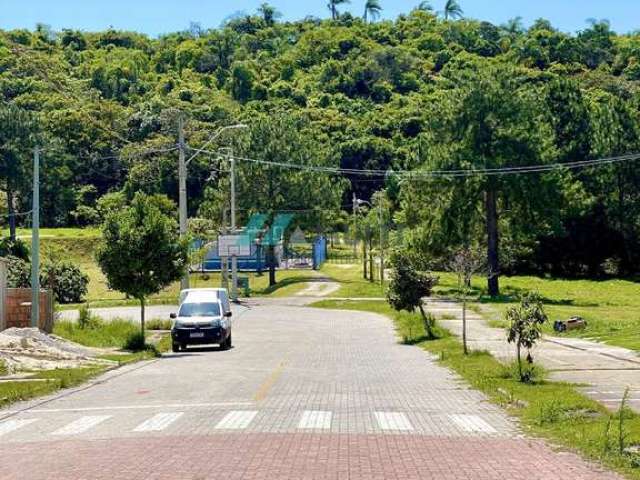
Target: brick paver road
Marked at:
305, 394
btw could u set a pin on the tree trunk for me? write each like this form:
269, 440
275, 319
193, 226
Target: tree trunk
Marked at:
364, 258
464, 324
371, 259
272, 266
12, 216
493, 258
259, 260
519, 360
142, 317
427, 323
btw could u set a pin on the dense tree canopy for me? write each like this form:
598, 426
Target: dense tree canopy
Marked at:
424, 92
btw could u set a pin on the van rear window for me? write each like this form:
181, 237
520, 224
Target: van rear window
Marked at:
199, 310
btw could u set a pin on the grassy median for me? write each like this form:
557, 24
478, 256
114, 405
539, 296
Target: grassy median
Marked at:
115, 337
553, 410
611, 307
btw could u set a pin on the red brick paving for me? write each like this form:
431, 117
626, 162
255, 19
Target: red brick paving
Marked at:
310, 456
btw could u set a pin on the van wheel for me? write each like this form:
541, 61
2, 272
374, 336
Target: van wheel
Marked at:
229, 343
175, 347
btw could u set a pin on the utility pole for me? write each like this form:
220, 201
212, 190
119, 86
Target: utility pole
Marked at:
355, 226
234, 258
224, 261
35, 242
381, 245
182, 197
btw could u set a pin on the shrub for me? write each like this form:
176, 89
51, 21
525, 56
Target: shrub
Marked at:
86, 319
69, 282
135, 342
14, 248
159, 324
525, 328
18, 273
408, 287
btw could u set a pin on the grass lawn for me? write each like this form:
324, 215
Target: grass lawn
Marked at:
352, 284
46, 382
549, 409
103, 335
610, 307
78, 245
113, 334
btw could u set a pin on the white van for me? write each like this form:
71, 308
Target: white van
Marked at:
204, 317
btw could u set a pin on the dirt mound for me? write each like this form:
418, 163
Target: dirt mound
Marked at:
31, 349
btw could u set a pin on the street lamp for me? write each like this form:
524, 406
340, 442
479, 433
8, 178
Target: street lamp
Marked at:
182, 178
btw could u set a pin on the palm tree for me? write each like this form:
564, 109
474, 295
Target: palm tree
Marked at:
514, 26
452, 9
333, 6
425, 7
372, 10
268, 13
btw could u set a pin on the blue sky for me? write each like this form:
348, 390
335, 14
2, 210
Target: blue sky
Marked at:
160, 16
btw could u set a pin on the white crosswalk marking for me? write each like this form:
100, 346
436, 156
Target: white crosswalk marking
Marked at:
393, 421
472, 423
13, 425
158, 422
81, 425
236, 420
315, 419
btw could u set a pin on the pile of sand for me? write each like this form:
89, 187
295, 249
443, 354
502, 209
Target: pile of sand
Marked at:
30, 349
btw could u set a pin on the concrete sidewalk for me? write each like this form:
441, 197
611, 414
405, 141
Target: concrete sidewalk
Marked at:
605, 370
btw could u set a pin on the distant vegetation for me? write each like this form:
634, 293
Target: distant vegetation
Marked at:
423, 92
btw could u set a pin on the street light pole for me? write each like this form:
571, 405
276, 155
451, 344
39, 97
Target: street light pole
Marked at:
35, 242
381, 246
182, 179
234, 258
182, 197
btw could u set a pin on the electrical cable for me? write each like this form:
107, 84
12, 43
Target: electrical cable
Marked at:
447, 173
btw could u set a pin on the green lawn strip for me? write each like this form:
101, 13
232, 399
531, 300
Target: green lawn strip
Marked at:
553, 410
610, 307
98, 334
46, 382
352, 283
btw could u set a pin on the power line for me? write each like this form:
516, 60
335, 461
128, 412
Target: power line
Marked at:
446, 173
17, 214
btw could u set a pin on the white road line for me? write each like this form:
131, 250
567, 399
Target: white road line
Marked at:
134, 407
81, 425
472, 423
314, 419
158, 422
236, 420
13, 425
393, 421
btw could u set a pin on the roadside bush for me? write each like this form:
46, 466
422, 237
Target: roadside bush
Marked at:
14, 248
135, 342
18, 273
159, 324
69, 282
86, 319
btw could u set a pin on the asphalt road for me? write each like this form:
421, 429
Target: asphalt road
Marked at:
304, 394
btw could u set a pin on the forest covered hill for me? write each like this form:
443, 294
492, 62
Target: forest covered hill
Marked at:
421, 93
